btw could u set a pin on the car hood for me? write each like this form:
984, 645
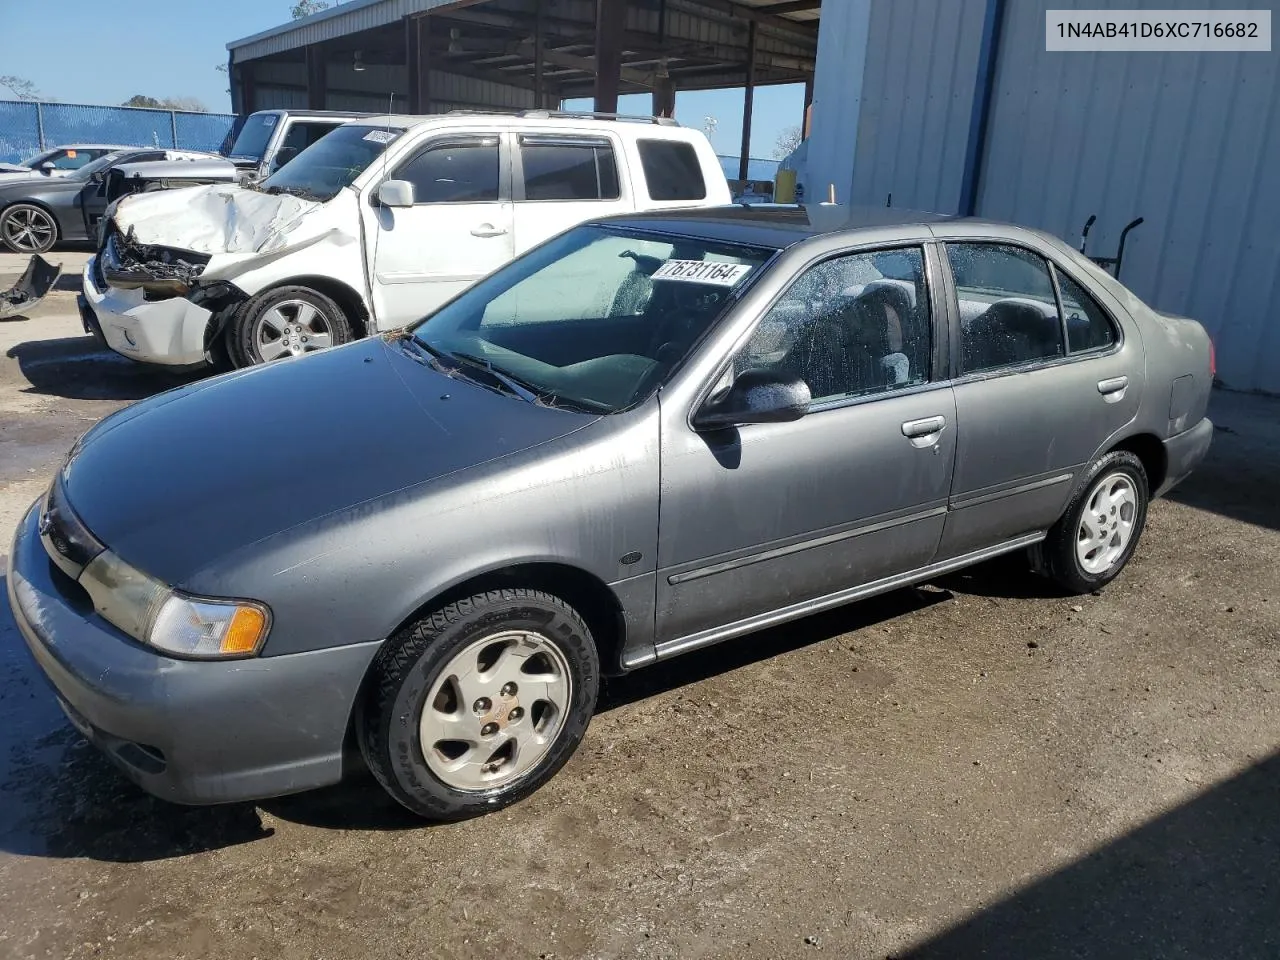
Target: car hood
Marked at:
178, 481
222, 218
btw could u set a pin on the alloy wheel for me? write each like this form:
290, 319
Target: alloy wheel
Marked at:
290, 329
28, 229
1107, 524
495, 710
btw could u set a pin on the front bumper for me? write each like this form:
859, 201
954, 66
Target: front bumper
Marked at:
1184, 452
186, 731
170, 332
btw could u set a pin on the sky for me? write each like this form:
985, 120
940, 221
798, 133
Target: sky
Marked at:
106, 53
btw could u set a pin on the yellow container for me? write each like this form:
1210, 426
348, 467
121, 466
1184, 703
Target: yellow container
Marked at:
784, 187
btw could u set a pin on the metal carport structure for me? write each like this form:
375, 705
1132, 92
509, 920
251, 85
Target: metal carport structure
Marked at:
430, 56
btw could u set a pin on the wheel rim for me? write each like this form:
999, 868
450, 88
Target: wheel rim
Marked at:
1106, 527
28, 229
290, 329
495, 710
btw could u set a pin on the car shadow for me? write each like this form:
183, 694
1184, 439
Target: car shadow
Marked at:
1238, 476
1198, 881
78, 368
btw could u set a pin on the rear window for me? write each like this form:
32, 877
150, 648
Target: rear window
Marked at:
671, 170
568, 169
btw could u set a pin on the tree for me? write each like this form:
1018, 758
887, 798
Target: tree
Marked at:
305, 8
787, 141
187, 104
19, 87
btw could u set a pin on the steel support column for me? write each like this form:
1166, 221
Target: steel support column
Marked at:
418, 58
664, 98
748, 101
611, 16
316, 77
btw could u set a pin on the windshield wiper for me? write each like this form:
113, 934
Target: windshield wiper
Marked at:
514, 385
301, 192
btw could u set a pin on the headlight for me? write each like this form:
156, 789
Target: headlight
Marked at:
153, 614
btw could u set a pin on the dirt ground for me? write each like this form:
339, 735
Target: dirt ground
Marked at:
976, 768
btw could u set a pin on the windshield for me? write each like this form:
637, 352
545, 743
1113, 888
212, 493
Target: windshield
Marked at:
596, 318
255, 134
332, 162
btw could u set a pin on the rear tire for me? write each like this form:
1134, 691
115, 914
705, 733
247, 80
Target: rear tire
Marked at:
1100, 529
285, 322
480, 703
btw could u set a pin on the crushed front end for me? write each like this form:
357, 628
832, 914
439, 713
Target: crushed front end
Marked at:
146, 301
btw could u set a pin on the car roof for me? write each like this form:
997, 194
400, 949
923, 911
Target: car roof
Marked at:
527, 119
90, 146
776, 225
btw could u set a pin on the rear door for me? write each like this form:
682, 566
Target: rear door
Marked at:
562, 180
1045, 377
459, 229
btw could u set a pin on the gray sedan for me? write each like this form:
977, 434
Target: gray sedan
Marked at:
647, 436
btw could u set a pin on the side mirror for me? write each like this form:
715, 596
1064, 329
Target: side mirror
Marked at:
757, 396
97, 177
48, 167
396, 193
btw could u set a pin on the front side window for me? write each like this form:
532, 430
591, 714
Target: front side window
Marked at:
1088, 327
596, 318
568, 169
851, 326
332, 162
461, 171
671, 170
1008, 310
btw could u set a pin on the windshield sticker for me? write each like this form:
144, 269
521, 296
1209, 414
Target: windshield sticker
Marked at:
381, 136
701, 271
269, 120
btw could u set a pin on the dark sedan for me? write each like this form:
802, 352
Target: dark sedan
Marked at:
37, 212
649, 435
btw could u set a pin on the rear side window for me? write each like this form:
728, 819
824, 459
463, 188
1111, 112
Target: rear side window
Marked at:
672, 171
1088, 327
569, 169
1008, 310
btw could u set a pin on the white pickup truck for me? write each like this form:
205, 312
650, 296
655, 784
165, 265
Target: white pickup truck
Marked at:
372, 227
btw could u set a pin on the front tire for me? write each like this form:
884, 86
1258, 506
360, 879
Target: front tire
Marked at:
479, 703
26, 228
1099, 532
285, 322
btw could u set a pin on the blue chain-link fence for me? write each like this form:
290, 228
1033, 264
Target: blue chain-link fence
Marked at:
26, 127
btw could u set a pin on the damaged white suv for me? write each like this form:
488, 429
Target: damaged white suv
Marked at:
372, 227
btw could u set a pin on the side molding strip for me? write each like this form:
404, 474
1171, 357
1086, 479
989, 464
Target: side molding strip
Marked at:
747, 561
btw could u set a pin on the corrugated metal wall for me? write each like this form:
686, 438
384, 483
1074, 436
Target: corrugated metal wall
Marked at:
917, 99
284, 85
1190, 141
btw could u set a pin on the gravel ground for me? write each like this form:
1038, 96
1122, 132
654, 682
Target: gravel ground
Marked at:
979, 767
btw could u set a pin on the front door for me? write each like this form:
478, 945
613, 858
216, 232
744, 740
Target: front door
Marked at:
1033, 402
766, 517
458, 230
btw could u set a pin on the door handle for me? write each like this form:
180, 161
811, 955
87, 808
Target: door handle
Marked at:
1113, 389
924, 433
487, 230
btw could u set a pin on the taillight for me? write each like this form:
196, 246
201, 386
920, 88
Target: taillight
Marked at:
1213, 361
